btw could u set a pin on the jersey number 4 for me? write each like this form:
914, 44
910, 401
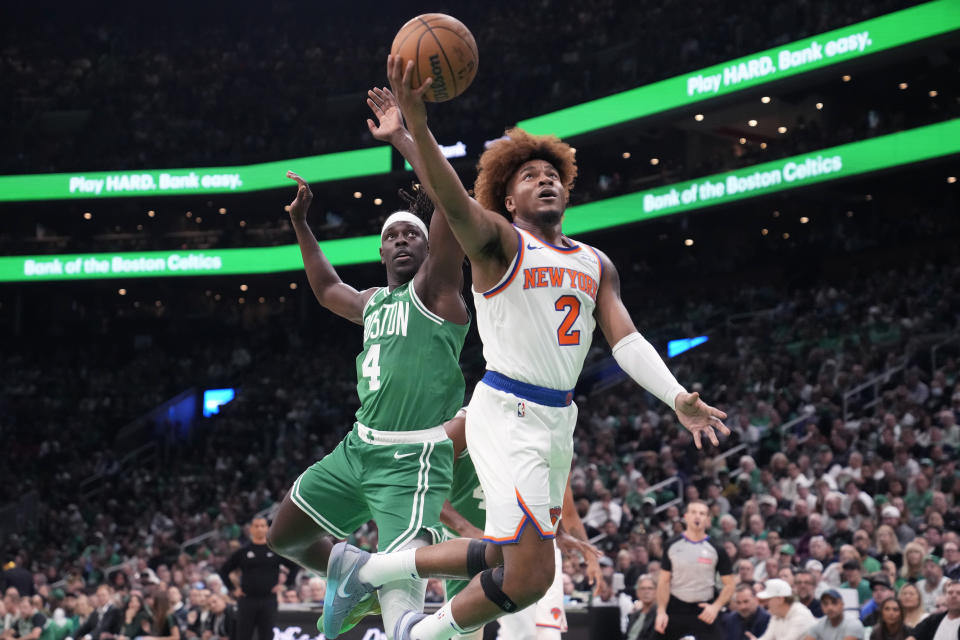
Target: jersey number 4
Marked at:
371, 367
570, 304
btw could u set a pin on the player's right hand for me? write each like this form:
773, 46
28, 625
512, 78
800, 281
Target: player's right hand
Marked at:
409, 97
300, 204
660, 626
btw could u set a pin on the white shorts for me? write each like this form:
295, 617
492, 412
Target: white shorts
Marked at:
522, 453
540, 621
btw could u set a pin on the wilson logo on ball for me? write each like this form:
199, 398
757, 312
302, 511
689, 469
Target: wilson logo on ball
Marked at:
441, 48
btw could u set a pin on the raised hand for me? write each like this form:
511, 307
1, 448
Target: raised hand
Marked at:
300, 204
409, 97
699, 418
390, 121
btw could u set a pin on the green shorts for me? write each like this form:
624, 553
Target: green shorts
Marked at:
452, 587
398, 479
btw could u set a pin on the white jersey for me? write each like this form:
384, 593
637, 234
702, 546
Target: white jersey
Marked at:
537, 323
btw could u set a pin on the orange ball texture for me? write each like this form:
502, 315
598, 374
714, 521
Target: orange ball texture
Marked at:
441, 47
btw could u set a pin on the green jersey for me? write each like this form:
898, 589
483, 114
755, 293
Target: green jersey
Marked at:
408, 374
466, 495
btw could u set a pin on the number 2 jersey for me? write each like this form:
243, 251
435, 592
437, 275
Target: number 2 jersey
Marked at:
408, 374
537, 323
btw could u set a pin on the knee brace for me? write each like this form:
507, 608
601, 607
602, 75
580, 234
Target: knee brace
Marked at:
491, 580
476, 557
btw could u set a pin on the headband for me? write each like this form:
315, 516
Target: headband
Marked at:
404, 216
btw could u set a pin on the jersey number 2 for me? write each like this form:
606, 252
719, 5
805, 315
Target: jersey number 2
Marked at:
371, 367
570, 304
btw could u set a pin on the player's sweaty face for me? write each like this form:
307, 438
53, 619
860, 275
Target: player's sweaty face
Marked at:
403, 247
535, 188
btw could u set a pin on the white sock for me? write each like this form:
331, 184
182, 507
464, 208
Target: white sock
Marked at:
400, 596
439, 626
387, 567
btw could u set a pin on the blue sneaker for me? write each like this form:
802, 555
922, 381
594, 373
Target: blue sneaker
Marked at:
406, 622
344, 588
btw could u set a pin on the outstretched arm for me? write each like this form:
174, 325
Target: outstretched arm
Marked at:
330, 291
487, 238
439, 281
572, 539
640, 360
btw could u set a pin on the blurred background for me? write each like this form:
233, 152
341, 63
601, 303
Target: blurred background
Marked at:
818, 308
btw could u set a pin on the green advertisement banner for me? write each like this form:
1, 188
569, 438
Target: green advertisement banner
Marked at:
856, 158
176, 182
840, 45
858, 40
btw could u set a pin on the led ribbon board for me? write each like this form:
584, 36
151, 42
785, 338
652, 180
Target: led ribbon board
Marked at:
177, 182
833, 47
856, 158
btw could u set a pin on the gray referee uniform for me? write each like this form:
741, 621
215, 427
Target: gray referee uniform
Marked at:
693, 568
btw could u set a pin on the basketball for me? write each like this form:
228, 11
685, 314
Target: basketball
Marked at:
441, 47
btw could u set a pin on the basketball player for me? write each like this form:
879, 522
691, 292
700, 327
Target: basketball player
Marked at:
395, 465
539, 296
464, 515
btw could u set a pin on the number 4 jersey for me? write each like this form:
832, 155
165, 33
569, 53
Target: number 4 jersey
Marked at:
408, 374
537, 323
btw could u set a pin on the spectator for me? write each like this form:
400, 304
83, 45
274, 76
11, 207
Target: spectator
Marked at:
30, 622
881, 590
107, 618
728, 530
891, 625
834, 625
951, 567
853, 579
177, 606
842, 535
912, 604
603, 509
222, 622
744, 571
888, 546
640, 621
136, 618
815, 567
199, 611
318, 589
933, 583
891, 518
789, 619
745, 615
861, 542
943, 625
82, 611
913, 560
804, 586
163, 625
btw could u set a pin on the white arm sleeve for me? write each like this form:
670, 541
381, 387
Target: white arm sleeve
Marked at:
641, 361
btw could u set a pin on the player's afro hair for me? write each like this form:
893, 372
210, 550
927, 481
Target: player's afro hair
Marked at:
498, 164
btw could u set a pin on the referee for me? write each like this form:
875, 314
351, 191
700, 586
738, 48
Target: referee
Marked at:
688, 573
260, 573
